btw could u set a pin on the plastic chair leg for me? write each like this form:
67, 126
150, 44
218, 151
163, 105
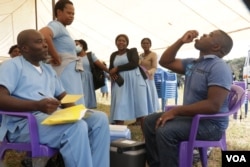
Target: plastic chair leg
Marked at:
246, 109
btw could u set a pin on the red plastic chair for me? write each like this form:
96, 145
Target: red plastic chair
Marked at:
236, 99
34, 147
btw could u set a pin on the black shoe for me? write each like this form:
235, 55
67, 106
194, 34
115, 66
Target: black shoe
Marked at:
27, 162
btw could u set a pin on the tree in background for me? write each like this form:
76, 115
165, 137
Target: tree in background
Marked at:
237, 67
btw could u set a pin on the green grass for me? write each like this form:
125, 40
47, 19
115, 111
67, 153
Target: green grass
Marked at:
13, 158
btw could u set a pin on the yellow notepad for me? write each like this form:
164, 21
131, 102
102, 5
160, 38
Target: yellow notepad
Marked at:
67, 115
70, 98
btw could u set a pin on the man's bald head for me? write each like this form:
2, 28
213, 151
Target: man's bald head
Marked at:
24, 36
32, 45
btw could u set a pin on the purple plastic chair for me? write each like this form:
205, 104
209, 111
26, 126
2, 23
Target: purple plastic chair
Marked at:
33, 147
236, 99
243, 85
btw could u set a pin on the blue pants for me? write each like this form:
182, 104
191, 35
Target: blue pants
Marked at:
85, 143
162, 144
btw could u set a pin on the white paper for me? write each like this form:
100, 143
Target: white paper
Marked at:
118, 127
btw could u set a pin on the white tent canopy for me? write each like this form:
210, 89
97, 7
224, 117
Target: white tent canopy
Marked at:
100, 21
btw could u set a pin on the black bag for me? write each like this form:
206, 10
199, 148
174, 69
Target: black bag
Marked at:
119, 80
98, 73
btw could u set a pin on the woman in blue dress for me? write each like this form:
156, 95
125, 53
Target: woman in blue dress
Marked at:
129, 99
105, 89
148, 60
62, 48
86, 74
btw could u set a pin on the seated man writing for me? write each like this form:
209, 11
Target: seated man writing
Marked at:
208, 80
83, 143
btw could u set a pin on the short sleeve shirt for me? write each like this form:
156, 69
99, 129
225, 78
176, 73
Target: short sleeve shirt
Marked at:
85, 61
207, 71
23, 81
61, 38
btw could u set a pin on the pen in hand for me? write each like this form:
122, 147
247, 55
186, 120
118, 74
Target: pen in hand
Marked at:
41, 94
46, 96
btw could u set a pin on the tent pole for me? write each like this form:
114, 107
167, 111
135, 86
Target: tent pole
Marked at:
36, 14
53, 12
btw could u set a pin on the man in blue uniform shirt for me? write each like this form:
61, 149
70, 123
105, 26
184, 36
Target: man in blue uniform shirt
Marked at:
208, 81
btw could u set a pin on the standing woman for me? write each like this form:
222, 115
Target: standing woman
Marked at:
105, 89
148, 60
129, 100
65, 62
86, 74
62, 48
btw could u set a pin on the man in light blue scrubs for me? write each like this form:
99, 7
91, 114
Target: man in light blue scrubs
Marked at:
84, 143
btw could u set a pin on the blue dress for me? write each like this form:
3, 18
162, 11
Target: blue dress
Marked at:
105, 89
87, 82
152, 95
65, 46
129, 101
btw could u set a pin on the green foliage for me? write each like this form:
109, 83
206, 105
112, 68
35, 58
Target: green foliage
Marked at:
237, 66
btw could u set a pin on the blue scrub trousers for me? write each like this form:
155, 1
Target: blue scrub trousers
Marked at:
85, 143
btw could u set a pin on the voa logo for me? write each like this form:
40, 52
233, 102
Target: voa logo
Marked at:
236, 158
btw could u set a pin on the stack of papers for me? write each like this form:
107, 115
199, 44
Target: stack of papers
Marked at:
70, 99
119, 128
67, 115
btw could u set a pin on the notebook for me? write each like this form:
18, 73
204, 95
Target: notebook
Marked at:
67, 115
